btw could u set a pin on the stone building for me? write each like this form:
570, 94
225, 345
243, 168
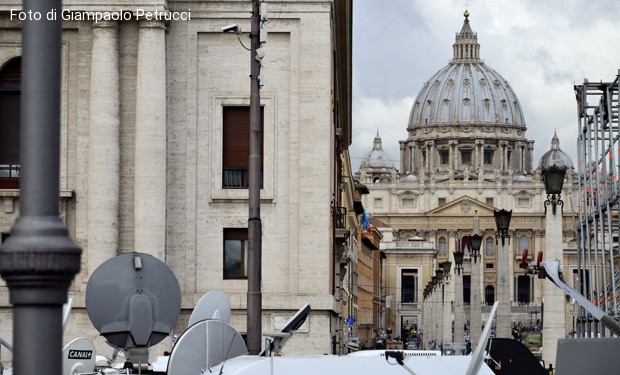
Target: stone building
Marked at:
466, 155
154, 151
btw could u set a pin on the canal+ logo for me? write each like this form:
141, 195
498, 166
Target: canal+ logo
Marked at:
80, 354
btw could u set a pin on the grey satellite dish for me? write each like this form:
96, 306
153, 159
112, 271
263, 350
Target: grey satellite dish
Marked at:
203, 345
213, 305
133, 300
78, 357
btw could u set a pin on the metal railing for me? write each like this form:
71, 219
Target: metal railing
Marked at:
238, 178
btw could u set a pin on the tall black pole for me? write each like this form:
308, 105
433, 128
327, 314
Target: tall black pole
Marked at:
39, 260
254, 222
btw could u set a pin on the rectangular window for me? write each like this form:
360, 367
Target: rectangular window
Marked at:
441, 201
236, 147
489, 201
466, 157
489, 265
408, 202
378, 203
444, 157
235, 253
409, 282
10, 94
488, 157
523, 202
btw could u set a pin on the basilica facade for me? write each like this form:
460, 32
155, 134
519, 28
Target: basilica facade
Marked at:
466, 155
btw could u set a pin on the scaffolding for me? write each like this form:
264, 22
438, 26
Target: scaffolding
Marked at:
598, 148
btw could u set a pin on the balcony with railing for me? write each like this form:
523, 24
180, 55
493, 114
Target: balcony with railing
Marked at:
238, 178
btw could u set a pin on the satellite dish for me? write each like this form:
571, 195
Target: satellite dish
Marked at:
213, 305
297, 320
133, 300
203, 345
278, 339
78, 357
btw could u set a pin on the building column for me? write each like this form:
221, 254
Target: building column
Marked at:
150, 138
403, 157
554, 314
103, 146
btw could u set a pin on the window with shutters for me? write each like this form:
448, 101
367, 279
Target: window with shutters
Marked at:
236, 147
10, 93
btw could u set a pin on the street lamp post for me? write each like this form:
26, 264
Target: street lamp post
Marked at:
553, 165
446, 297
39, 260
502, 221
254, 296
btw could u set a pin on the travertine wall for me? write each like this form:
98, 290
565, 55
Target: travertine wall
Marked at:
141, 154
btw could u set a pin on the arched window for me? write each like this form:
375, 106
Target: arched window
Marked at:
489, 247
442, 246
10, 92
489, 294
523, 244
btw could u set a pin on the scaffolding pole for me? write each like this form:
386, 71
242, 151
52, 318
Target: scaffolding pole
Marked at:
598, 147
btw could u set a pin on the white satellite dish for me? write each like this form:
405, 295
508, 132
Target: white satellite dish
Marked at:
205, 344
213, 305
78, 357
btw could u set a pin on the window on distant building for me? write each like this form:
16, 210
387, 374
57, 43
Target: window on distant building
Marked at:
466, 157
409, 286
10, 93
235, 253
523, 244
524, 202
490, 247
236, 147
441, 201
489, 265
442, 246
489, 201
444, 156
488, 157
378, 203
408, 202
489, 294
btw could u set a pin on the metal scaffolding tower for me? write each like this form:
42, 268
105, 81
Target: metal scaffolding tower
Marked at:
598, 148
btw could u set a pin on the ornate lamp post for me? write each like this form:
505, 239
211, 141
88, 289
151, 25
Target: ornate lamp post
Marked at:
447, 266
553, 165
458, 260
476, 242
502, 221
553, 178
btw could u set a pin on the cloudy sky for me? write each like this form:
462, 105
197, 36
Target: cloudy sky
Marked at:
542, 48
